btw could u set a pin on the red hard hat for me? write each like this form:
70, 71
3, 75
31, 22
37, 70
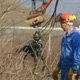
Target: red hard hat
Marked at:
64, 17
67, 17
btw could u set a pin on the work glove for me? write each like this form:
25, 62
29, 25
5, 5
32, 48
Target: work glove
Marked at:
71, 75
55, 73
74, 76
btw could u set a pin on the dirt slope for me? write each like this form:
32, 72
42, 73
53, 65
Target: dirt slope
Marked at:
14, 14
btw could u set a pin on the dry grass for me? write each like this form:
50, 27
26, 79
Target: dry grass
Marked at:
11, 66
11, 63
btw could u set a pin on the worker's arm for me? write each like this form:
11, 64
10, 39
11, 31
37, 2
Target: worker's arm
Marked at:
76, 59
71, 75
59, 64
76, 56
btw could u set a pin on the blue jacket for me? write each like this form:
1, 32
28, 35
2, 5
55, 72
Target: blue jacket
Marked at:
70, 51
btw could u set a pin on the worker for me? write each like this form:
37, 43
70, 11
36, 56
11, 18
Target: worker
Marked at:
69, 63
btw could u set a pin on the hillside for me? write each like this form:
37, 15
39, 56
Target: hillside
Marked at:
14, 14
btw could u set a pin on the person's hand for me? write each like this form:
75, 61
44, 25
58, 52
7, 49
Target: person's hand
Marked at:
74, 76
71, 75
55, 73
